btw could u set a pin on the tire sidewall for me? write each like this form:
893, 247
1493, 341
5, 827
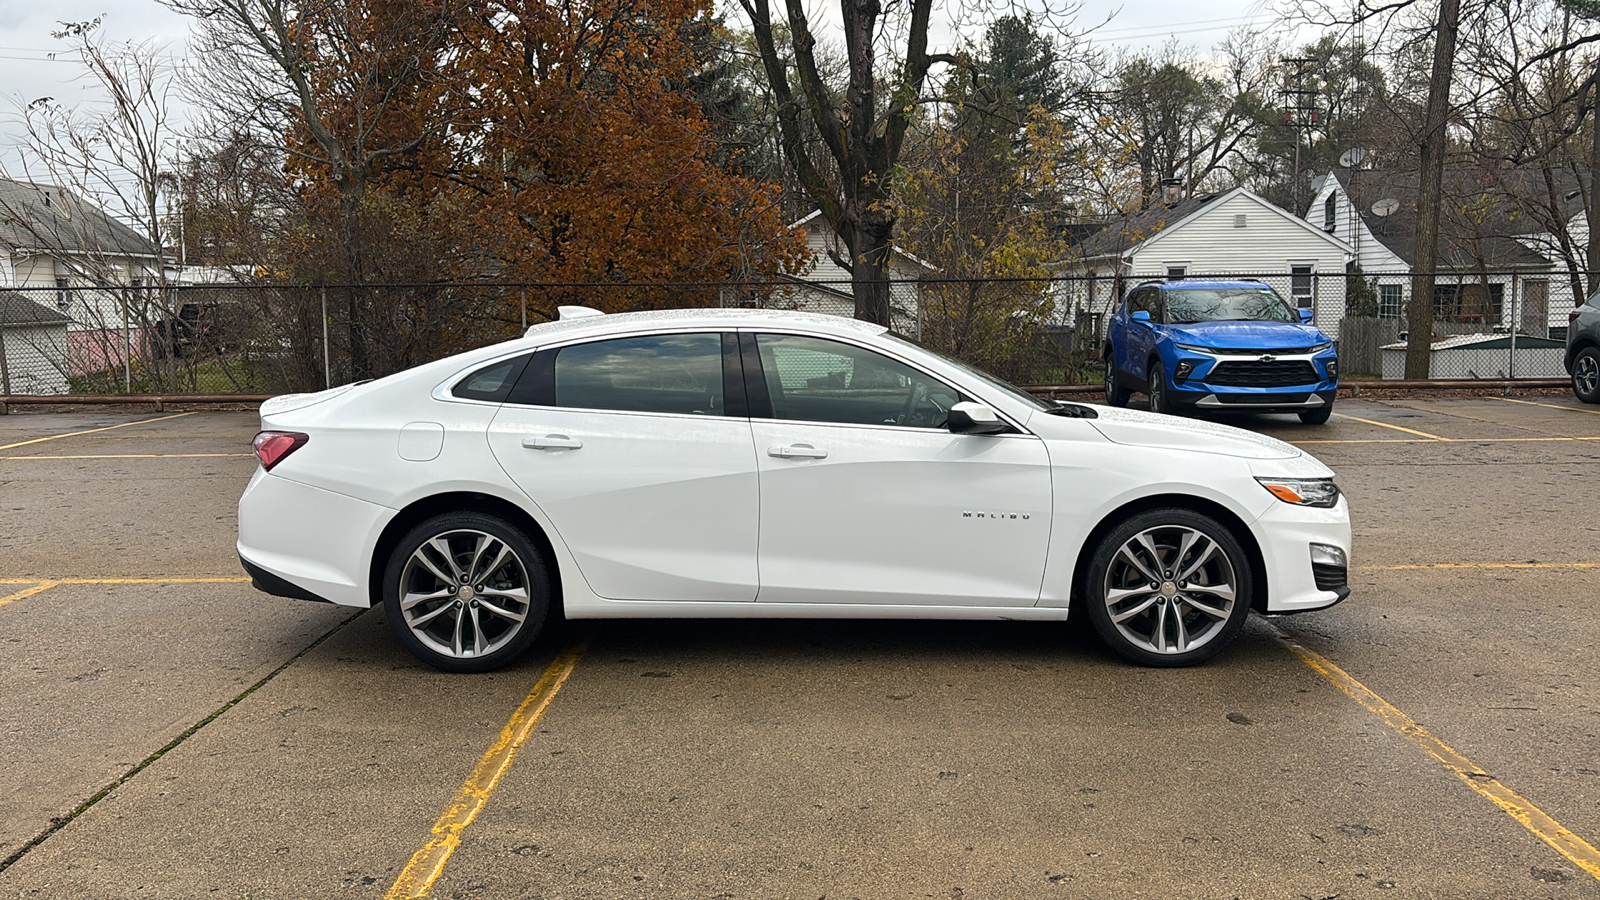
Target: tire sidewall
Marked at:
1318, 416
1100, 562
1157, 379
532, 562
1115, 394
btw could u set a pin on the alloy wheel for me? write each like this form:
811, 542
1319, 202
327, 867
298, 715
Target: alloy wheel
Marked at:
1170, 589
1586, 375
464, 593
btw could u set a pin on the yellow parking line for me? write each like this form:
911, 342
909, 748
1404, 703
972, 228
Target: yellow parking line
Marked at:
1580, 852
427, 864
57, 437
139, 456
27, 592
1592, 412
1433, 440
1432, 437
1481, 566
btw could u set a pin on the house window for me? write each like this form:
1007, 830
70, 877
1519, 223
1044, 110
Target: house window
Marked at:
1391, 302
1301, 278
1473, 304
1176, 271
1330, 209
62, 300
1239, 220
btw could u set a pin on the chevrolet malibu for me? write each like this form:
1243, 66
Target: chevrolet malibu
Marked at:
757, 464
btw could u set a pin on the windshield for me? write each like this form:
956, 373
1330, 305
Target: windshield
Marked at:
1011, 390
1245, 304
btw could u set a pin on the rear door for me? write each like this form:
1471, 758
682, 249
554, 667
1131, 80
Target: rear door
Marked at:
629, 446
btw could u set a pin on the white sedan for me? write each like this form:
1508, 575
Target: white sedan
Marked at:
747, 463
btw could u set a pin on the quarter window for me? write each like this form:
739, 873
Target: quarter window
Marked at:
492, 382
816, 380
666, 373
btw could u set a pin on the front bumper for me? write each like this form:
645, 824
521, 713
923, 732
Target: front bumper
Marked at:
1219, 400
1285, 534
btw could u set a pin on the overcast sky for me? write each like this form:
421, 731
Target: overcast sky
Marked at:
28, 71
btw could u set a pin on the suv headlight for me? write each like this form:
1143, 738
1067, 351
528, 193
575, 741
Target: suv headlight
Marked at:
1193, 349
1320, 347
1319, 492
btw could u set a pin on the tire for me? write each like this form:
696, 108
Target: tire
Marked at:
1318, 416
1208, 588
1160, 402
1586, 375
1116, 394
466, 624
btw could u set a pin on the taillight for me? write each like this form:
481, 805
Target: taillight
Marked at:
274, 446
1572, 316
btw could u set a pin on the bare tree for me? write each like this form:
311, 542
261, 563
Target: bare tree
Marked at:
90, 195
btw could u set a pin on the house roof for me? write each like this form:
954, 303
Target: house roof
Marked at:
1149, 225
50, 219
1483, 213
16, 309
912, 258
1482, 342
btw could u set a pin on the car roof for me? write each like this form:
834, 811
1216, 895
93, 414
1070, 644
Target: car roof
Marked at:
1207, 284
622, 323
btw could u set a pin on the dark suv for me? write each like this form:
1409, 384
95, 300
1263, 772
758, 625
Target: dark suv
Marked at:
1219, 345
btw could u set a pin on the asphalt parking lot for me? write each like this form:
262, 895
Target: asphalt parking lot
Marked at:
170, 732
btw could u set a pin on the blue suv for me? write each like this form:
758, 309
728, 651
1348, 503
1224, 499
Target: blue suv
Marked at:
1219, 345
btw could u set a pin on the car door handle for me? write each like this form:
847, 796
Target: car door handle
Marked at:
797, 451
552, 442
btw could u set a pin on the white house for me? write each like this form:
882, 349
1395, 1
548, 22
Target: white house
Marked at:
1232, 233
1495, 265
33, 346
825, 286
70, 254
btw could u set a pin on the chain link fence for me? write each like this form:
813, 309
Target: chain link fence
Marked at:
268, 339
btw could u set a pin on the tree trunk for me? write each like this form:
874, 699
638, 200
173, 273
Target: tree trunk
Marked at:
355, 321
1435, 144
870, 252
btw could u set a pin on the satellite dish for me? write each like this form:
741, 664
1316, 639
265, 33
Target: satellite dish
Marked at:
1353, 157
1385, 207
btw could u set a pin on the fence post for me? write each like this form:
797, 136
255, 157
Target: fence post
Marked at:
327, 367
127, 348
1511, 361
5, 368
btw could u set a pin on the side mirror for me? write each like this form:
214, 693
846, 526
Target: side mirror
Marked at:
1305, 317
1140, 315
968, 417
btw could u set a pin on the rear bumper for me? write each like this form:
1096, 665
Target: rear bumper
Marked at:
306, 542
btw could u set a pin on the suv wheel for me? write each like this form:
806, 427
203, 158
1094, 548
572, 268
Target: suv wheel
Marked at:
1160, 402
1586, 375
1116, 394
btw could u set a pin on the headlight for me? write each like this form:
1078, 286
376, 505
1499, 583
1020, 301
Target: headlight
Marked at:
1320, 347
1319, 492
1193, 349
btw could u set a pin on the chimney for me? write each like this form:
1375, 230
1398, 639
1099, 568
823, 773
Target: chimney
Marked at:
1171, 190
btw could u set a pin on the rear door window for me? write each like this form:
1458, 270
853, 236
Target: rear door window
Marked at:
664, 373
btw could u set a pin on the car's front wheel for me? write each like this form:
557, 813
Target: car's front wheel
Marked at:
1160, 401
1586, 375
1168, 587
466, 592
1318, 416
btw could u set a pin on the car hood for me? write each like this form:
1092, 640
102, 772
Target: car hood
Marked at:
1136, 428
1248, 335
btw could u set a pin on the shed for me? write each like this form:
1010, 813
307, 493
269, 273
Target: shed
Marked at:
1472, 356
33, 347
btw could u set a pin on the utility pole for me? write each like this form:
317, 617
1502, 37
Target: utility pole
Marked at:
1299, 113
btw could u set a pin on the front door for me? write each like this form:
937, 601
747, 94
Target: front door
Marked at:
866, 497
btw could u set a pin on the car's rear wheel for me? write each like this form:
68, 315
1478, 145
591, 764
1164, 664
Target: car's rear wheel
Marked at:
1160, 402
1318, 416
1168, 587
466, 592
1116, 394
1586, 375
